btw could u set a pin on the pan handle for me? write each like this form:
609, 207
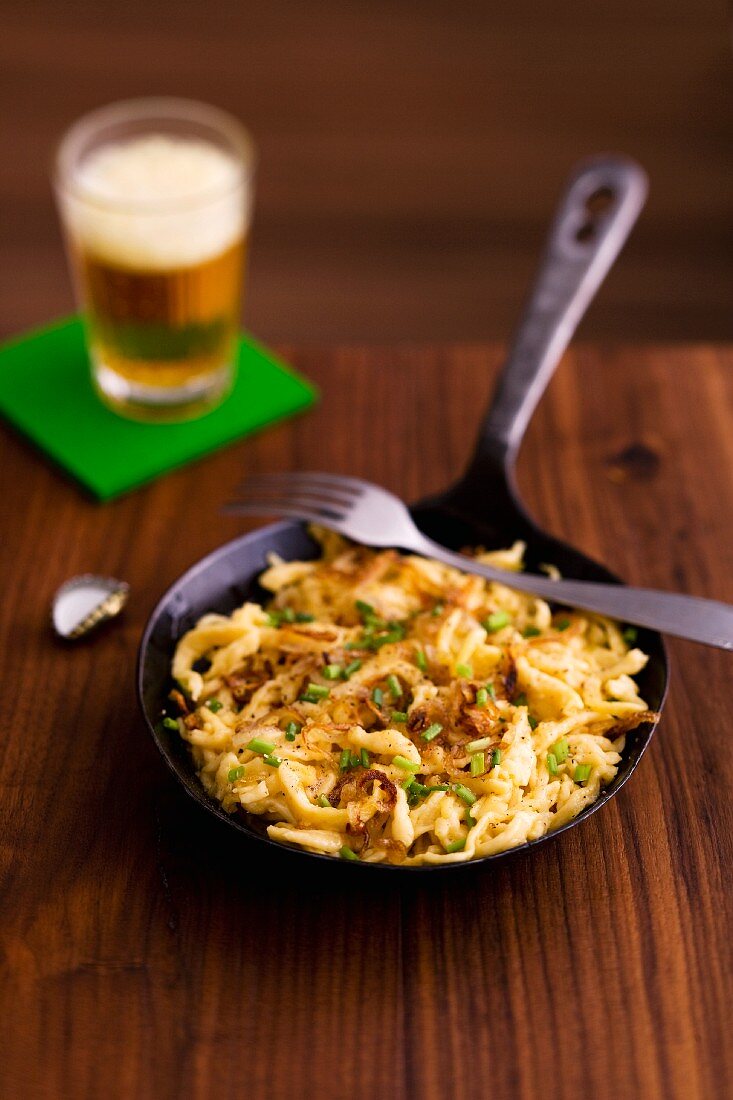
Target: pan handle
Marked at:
600, 205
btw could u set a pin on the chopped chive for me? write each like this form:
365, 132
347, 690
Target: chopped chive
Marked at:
582, 772
364, 755
480, 745
407, 783
533, 723
291, 730
304, 617
437, 610
421, 660
369, 640
323, 801
417, 790
456, 846
235, 774
399, 715
351, 669
333, 672
464, 793
630, 635
405, 764
314, 693
464, 670
470, 820
378, 696
563, 624
478, 763
273, 761
496, 621
432, 731
482, 696
348, 853
491, 690
395, 688
521, 700
170, 723
345, 760
496, 758
260, 746
288, 615
552, 763
214, 705
560, 750
531, 632
438, 787
364, 608
354, 759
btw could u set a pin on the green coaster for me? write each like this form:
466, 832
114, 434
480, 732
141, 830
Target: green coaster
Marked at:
46, 392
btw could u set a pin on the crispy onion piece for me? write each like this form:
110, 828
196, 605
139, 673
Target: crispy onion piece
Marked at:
243, 685
456, 712
373, 571
179, 699
625, 725
395, 850
509, 676
314, 633
351, 785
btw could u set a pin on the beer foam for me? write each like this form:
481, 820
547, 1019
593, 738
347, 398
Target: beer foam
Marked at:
157, 202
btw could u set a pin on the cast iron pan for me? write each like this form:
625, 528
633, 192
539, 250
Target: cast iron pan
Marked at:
601, 203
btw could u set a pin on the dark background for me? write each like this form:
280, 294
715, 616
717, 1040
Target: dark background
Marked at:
411, 153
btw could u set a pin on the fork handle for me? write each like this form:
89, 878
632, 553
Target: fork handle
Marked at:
692, 617
596, 213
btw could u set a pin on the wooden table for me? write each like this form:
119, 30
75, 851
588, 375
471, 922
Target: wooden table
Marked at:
147, 954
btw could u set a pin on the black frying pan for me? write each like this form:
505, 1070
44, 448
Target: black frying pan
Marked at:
599, 207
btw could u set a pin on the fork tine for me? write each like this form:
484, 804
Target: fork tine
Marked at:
312, 507
318, 507
336, 482
316, 475
289, 488
289, 494
237, 508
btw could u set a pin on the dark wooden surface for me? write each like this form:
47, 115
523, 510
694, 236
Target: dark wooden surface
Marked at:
411, 153
146, 953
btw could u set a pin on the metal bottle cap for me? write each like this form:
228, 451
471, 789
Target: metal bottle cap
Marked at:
84, 602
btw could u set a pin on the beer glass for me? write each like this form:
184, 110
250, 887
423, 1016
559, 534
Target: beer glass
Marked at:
155, 200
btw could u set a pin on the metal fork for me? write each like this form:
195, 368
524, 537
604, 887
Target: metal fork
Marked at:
371, 515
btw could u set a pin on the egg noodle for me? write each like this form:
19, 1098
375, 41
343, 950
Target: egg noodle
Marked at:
386, 707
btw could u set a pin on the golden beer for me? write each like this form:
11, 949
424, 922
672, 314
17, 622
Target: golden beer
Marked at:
157, 222
163, 328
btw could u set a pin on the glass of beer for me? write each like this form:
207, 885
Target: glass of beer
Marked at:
155, 199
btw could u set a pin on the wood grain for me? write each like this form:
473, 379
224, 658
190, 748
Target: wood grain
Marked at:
411, 154
146, 954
